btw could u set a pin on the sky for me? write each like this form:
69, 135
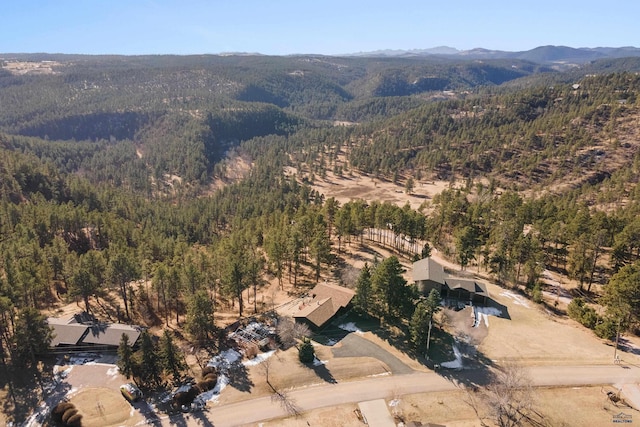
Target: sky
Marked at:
329, 27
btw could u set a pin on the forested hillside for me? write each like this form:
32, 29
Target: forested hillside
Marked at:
107, 168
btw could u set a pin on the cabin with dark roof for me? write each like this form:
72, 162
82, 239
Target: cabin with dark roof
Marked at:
82, 333
429, 274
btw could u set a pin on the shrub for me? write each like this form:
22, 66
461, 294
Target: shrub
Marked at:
606, 329
68, 414
536, 294
306, 353
589, 317
575, 308
209, 370
185, 397
206, 385
75, 421
579, 311
59, 410
211, 377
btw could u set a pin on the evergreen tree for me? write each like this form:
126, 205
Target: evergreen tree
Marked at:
422, 320
126, 361
32, 337
306, 352
200, 323
149, 361
171, 357
393, 297
364, 298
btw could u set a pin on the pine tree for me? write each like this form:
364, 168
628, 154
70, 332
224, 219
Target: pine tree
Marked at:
149, 362
32, 336
171, 357
363, 300
126, 361
306, 352
200, 323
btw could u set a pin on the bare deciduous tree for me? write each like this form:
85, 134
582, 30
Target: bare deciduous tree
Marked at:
289, 331
279, 396
507, 400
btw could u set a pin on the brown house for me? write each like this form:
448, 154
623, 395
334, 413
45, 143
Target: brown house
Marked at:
428, 275
326, 302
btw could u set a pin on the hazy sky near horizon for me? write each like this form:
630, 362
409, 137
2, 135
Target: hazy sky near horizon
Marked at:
280, 27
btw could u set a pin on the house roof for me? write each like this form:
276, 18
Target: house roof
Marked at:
318, 312
428, 269
103, 334
327, 301
340, 296
470, 286
67, 334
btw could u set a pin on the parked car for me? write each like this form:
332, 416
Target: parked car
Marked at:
131, 392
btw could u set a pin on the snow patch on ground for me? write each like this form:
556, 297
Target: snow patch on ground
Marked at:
482, 315
350, 327
225, 359
382, 374
259, 358
318, 362
517, 299
454, 364
112, 372
71, 392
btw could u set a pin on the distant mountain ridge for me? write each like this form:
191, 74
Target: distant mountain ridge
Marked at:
540, 54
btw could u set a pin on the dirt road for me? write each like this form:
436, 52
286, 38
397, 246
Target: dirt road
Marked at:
255, 410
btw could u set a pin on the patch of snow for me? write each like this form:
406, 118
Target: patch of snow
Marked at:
382, 374
83, 359
259, 358
517, 299
454, 364
394, 403
483, 313
71, 392
224, 359
112, 372
318, 362
546, 274
491, 311
350, 327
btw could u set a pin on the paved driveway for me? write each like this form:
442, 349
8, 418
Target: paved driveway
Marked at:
353, 345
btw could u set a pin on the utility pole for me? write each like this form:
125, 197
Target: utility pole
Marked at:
428, 339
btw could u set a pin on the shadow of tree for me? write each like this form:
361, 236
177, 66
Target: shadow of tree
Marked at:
30, 389
202, 419
239, 378
322, 372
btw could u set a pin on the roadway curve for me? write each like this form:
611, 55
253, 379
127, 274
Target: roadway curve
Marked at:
306, 399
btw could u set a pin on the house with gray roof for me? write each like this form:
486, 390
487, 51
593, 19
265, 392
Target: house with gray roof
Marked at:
85, 333
429, 274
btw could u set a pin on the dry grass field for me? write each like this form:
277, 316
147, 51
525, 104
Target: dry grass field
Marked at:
558, 407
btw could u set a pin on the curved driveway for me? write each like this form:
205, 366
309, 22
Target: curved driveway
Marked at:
353, 345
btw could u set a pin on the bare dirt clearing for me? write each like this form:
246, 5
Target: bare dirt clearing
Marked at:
358, 186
